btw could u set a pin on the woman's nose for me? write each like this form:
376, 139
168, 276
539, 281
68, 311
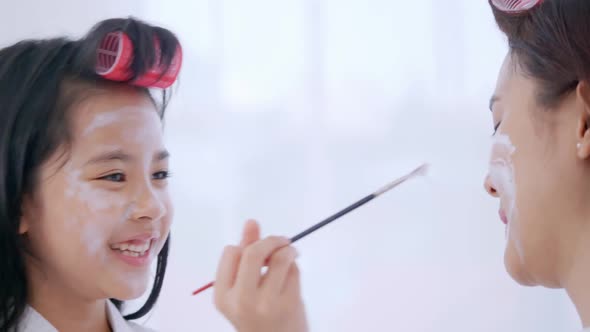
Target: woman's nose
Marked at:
489, 187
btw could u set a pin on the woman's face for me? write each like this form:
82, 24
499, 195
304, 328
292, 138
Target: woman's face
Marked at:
538, 175
101, 212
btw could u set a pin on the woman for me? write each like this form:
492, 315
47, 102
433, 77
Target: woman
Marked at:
540, 165
84, 204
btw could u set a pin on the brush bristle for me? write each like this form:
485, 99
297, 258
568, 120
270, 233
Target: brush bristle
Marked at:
422, 170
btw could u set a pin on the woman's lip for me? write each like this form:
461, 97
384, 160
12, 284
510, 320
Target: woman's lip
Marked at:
503, 217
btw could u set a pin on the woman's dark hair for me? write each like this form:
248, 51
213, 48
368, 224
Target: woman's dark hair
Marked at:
551, 44
40, 80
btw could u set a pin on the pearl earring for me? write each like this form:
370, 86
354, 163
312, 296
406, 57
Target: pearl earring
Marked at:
579, 145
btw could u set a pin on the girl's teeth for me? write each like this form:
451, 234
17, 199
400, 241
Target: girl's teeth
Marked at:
141, 248
133, 253
132, 249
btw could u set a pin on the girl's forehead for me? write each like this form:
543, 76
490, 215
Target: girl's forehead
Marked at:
124, 122
104, 118
111, 109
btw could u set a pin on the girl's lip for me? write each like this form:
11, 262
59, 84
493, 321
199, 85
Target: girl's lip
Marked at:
140, 238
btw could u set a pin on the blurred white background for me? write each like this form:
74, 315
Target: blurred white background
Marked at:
289, 110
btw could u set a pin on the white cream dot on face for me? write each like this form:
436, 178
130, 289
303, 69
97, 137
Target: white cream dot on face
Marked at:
95, 199
108, 118
501, 172
502, 141
502, 178
97, 204
102, 120
123, 114
91, 237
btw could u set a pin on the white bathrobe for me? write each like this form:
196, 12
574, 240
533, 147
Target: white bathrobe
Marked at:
32, 321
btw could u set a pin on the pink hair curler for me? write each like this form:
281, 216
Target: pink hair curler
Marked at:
115, 55
515, 6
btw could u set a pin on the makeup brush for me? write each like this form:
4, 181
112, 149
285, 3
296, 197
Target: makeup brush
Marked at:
422, 170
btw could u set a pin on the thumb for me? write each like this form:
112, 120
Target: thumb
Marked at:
250, 234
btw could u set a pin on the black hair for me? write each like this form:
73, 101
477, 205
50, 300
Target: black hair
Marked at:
40, 80
551, 43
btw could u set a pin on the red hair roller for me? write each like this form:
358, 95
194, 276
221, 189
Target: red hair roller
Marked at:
515, 6
115, 55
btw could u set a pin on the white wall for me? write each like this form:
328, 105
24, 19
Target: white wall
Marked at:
290, 110
38, 19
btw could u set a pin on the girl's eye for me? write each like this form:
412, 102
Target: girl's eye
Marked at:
115, 177
163, 175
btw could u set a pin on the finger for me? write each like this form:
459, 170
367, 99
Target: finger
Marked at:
228, 268
292, 286
278, 268
250, 234
248, 277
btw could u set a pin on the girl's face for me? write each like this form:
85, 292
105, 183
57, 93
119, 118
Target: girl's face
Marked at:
101, 212
537, 173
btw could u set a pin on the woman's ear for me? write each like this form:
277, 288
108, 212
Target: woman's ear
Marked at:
583, 126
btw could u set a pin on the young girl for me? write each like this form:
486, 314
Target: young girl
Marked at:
540, 166
84, 204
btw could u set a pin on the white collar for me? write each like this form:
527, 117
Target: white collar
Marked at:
32, 321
